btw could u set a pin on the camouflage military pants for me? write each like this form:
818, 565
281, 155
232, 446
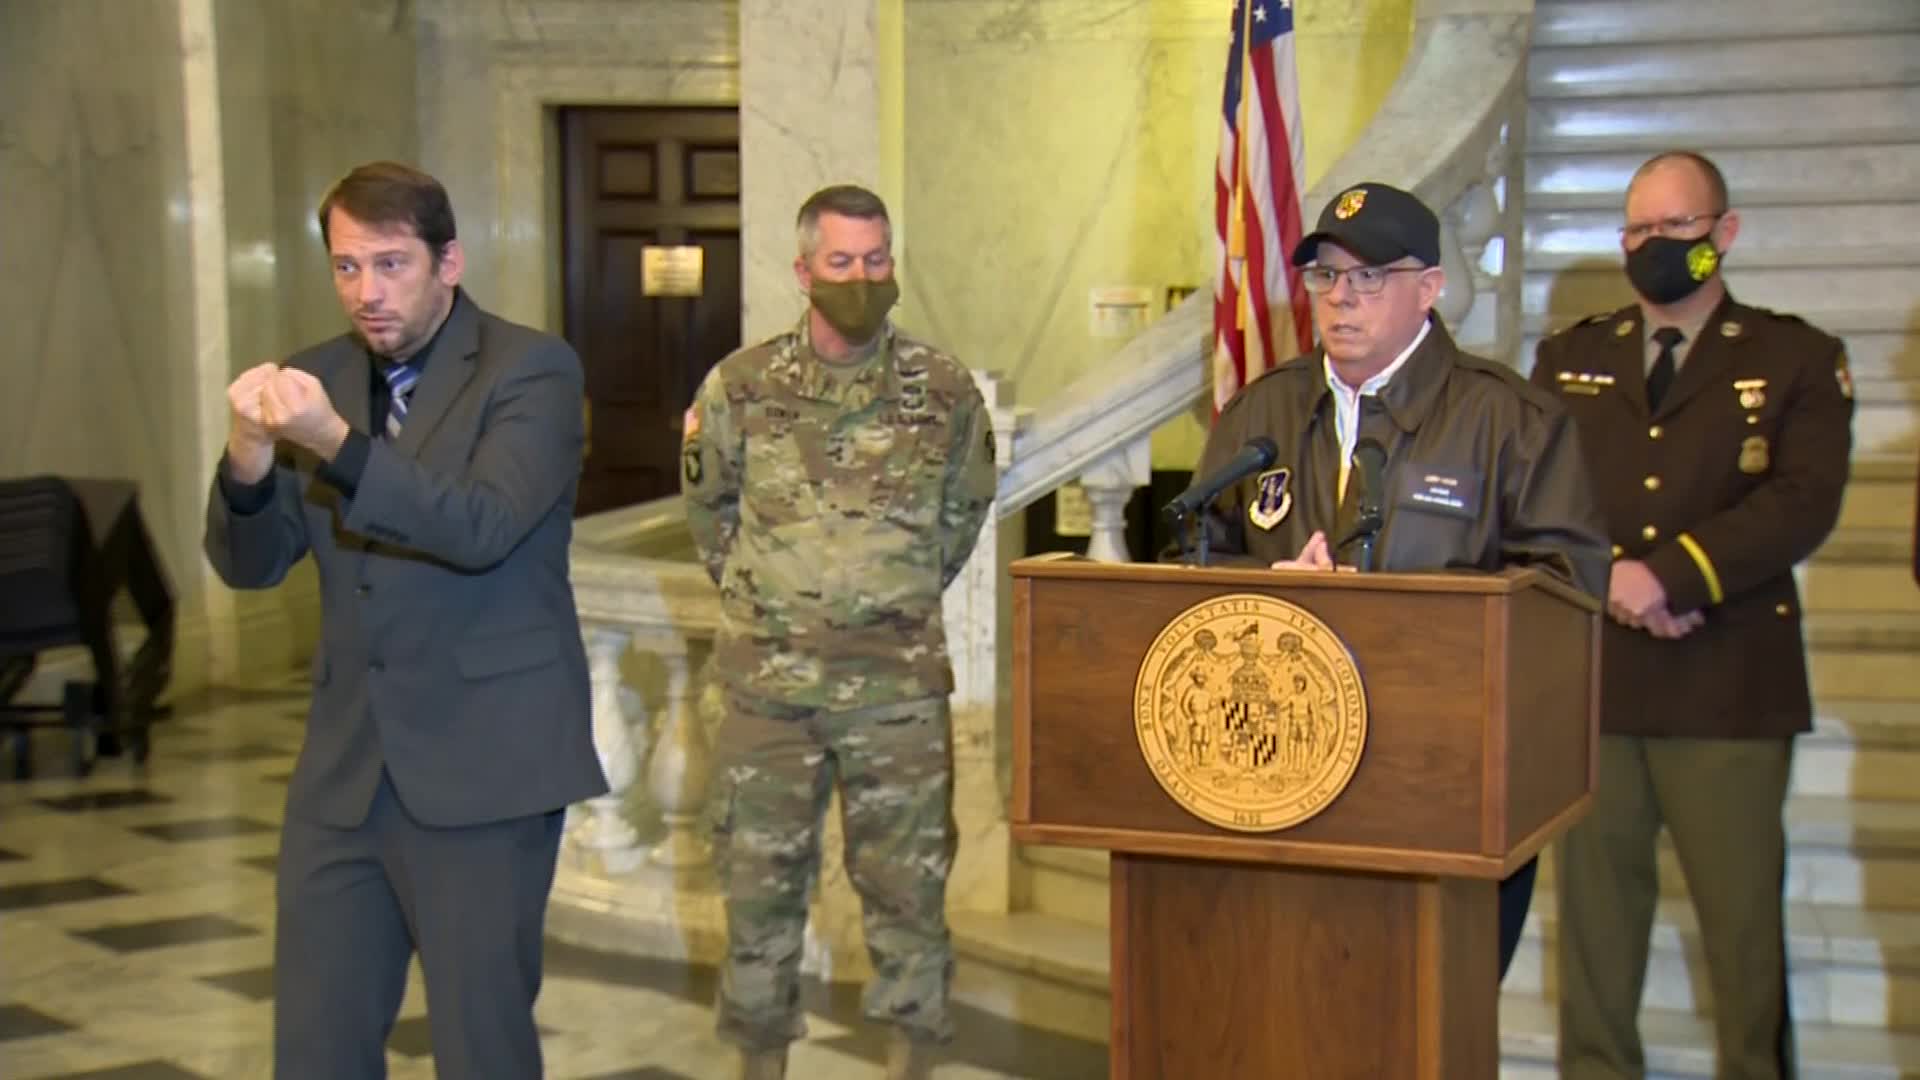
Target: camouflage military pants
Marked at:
894, 767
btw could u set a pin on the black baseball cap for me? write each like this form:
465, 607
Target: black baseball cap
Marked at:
1378, 223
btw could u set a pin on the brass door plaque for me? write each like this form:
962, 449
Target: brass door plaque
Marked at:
671, 271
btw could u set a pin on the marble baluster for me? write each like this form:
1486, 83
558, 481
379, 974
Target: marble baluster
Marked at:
1109, 483
1456, 300
604, 833
680, 772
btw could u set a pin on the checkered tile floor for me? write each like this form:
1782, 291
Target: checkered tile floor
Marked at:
136, 923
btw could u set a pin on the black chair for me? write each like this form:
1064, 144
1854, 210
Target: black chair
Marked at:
52, 595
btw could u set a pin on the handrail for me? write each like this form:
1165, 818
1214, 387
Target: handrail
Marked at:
1150, 380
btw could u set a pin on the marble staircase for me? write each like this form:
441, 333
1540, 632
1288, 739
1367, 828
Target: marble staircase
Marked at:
1814, 114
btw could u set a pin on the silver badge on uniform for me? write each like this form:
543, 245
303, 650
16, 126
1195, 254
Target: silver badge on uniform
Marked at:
1272, 498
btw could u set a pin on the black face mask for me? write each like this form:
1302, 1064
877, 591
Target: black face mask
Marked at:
1666, 270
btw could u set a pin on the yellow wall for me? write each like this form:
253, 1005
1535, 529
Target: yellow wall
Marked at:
1349, 56
1058, 148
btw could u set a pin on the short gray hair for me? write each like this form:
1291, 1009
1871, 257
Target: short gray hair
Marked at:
847, 200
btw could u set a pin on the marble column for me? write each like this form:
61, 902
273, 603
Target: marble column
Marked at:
978, 613
205, 203
821, 101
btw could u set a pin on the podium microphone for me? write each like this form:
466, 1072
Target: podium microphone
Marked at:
1370, 461
1259, 453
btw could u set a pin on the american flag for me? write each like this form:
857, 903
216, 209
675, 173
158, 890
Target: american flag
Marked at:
1260, 313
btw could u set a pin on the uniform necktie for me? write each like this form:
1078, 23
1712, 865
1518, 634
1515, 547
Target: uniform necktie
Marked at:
400, 380
1661, 377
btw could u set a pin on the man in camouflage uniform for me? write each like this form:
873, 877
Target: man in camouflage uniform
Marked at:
836, 477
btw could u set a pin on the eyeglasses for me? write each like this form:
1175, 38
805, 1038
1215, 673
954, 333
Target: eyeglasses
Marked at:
1365, 280
1673, 226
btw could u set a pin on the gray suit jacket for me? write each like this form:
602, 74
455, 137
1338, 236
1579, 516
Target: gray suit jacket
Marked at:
450, 649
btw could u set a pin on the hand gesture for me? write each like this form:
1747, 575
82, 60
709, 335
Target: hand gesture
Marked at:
249, 443
243, 399
296, 408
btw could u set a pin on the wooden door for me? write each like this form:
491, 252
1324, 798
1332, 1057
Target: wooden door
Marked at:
651, 213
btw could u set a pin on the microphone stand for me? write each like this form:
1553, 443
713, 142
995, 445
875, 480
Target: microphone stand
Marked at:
1187, 523
1366, 532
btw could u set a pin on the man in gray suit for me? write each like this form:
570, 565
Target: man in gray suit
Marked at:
427, 461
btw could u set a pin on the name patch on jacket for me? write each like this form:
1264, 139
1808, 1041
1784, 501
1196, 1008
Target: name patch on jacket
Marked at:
1452, 492
1584, 382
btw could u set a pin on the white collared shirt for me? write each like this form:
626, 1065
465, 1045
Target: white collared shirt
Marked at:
1346, 401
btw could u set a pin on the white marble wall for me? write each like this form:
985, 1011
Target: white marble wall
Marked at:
161, 160
489, 76
296, 93
308, 89
95, 256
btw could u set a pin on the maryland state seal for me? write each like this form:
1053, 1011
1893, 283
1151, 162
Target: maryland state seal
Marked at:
1250, 712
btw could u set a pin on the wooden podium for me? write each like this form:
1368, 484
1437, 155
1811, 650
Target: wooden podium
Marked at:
1361, 942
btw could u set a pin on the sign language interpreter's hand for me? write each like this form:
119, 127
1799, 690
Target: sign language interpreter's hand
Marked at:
249, 443
297, 409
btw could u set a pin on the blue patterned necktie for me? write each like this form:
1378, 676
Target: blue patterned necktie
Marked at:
400, 379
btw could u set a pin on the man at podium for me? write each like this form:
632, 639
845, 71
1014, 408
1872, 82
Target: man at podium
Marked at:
1396, 451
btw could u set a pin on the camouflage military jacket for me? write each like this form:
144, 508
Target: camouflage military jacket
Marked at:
832, 512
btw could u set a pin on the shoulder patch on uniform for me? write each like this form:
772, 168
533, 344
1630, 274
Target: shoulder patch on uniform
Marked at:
1588, 324
1598, 318
1816, 340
